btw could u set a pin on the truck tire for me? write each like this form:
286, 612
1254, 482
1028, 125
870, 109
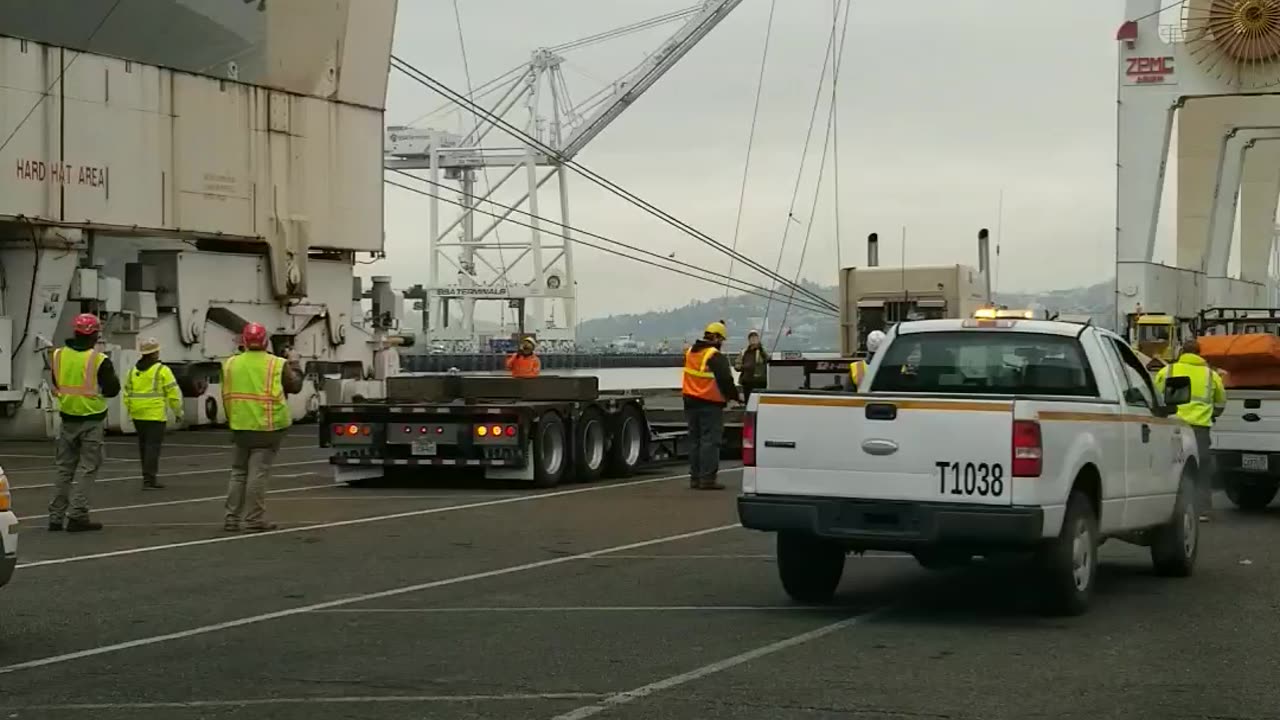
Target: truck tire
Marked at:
1069, 563
629, 443
549, 451
1251, 495
810, 568
1176, 544
941, 559
590, 438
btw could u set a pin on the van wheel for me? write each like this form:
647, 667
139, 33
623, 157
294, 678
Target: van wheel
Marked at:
1251, 495
629, 443
810, 568
1175, 545
1069, 563
589, 450
549, 456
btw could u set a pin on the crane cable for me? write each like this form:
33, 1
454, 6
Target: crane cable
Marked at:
444, 90
744, 286
838, 55
804, 155
751, 139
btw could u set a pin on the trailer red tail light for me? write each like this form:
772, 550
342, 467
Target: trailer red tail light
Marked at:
496, 431
511, 431
1028, 450
749, 439
352, 430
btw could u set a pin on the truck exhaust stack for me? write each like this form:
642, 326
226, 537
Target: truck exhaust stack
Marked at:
873, 250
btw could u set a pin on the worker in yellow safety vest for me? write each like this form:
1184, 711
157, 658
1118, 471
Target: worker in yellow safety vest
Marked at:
254, 388
150, 393
707, 387
858, 368
1208, 400
83, 379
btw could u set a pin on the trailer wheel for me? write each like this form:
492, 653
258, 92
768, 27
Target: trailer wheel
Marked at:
589, 448
628, 443
549, 445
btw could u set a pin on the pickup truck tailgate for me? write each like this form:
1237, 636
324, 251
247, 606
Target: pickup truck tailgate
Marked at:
888, 448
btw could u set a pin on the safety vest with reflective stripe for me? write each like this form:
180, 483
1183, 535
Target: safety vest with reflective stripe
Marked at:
699, 382
253, 391
147, 392
857, 371
75, 377
1199, 410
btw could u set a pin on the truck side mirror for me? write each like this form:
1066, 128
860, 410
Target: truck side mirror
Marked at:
1177, 391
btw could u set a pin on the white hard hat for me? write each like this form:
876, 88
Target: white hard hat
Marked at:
874, 340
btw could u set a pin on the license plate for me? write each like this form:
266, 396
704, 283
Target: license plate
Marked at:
424, 447
1254, 463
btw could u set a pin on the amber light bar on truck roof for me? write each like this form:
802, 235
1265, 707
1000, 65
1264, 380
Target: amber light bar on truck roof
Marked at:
1003, 313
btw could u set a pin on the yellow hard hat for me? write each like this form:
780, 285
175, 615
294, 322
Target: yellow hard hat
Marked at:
716, 328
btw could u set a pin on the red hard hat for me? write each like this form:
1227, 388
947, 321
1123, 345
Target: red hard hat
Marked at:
254, 336
86, 324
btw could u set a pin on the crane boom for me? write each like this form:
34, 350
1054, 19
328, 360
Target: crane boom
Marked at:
635, 84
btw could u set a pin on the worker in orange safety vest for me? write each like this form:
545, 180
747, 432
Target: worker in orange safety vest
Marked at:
707, 387
524, 362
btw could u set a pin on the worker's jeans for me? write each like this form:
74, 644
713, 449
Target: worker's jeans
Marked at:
78, 452
150, 440
1204, 479
251, 461
706, 431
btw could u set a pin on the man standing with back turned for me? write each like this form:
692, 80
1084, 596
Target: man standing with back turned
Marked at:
150, 392
83, 379
1208, 400
254, 386
707, 387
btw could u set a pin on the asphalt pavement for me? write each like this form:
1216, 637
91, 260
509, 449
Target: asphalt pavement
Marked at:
456, 599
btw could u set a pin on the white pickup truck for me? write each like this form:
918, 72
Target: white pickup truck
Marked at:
976, 437
8, 532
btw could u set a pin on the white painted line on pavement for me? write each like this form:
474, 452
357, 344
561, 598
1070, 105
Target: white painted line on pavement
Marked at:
207, 446
365, 597
587, 608
353, 521
190, 456
630, 696
187, 501
868, 556
182, 473
313, 700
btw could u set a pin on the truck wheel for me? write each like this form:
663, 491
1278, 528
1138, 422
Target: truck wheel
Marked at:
628, 443
589, 448
1069, 563
810, 568
942, 559
1175, 545
1251, 495
549, 445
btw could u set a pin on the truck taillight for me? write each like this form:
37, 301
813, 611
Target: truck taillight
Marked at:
749, 439
6, 498
1028, 451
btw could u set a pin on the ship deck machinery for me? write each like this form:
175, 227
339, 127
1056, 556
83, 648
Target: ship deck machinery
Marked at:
182, 205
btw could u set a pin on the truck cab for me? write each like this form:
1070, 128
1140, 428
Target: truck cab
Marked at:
975, 437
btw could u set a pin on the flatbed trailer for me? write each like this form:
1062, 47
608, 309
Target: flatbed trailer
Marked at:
546, 430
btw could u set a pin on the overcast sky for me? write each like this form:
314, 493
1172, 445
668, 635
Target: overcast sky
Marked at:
942, 105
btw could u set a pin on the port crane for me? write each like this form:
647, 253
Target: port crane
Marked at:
534, 276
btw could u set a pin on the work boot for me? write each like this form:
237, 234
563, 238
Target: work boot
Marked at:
710, 483
232, 526
83, 524
153, 485
694, 483
55, 525
261, 527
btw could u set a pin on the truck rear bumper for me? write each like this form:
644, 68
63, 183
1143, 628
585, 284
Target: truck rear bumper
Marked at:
1233, 461
891, 525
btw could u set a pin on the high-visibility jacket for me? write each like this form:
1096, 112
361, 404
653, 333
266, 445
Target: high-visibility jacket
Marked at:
253, 391
75, 377
857, 371
699, 382
1207, 391
146, 393
524, 366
